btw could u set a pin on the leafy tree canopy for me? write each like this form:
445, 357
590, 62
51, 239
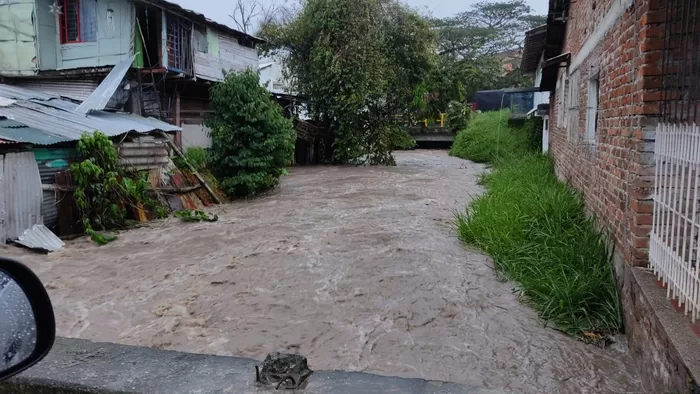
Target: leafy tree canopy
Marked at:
469, 46
253, 143
360, 63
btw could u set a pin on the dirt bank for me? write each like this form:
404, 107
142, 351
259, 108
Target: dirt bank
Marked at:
356, 268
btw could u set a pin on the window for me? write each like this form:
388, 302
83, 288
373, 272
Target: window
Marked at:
179, 32
200, 39
78, 21
592, 109
563, 89
572, 108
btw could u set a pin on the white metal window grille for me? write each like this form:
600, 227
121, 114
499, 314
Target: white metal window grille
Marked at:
673, 244
673, 248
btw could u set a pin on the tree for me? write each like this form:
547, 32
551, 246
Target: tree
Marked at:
468, 44
359, 63
249, 13
253, 143
489, 28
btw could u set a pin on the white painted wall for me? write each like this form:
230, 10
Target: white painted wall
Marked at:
195, 135
271, 76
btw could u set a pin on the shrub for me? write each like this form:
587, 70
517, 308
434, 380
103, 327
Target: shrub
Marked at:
488, 138
104, 189
253, 142
198, 157
457, 116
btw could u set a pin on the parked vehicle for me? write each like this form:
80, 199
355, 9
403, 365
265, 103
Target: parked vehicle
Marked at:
27, 324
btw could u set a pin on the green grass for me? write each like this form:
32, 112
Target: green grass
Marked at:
198, 157
488, 139
536, 230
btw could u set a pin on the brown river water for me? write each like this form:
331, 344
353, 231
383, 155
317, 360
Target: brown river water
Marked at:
357, 268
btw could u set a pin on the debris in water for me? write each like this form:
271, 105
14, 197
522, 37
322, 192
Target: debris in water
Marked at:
286, 370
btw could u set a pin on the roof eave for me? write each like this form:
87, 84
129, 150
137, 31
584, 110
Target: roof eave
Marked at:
201, 18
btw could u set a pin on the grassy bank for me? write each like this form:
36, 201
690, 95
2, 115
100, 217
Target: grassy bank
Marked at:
535, 229
488, 138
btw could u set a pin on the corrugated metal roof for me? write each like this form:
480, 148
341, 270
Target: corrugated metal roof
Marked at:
17, 93
40, 238
56, 120
14, 132
535, 41
99, 98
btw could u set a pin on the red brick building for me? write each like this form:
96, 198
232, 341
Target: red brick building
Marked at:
625, 83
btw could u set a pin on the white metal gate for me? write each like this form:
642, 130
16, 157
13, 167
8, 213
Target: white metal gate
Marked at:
673, 248
673, 245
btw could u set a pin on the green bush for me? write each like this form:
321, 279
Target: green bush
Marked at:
533, 132
536, 230
104, 189
198, 157
253, 143
488, 138
457, 116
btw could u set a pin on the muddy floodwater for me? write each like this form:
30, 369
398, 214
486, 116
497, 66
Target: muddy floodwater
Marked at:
358, 269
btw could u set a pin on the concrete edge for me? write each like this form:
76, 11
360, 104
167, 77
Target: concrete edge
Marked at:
661, 339
677, 326
80, 366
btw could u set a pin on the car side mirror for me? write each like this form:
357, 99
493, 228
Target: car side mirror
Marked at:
27, 325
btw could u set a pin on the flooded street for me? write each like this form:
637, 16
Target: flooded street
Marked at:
358, 269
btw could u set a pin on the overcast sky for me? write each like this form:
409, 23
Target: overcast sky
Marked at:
219, 10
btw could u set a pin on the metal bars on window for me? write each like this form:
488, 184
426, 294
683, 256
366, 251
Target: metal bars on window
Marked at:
680, 80
179, 32
69, 21
673, 245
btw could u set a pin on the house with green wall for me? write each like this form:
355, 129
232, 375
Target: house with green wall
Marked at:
67, 47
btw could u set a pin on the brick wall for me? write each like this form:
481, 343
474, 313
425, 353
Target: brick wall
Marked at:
615, 174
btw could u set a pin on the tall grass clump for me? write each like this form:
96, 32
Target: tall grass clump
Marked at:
488, 139
537, 232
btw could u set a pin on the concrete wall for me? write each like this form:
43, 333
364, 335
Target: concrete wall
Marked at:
195, 135
661, 340
79, 366
223, 53
114, 43
18, 51
272, 78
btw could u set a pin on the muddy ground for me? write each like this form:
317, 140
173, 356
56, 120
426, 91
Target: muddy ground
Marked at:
356, 268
